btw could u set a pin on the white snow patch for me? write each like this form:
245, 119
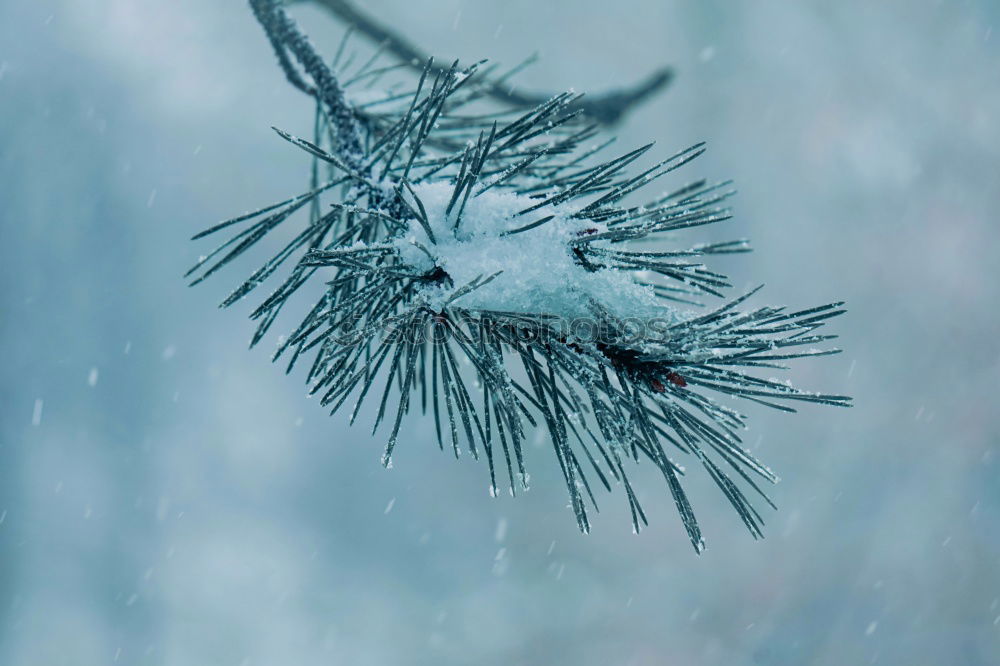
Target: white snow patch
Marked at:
537, 271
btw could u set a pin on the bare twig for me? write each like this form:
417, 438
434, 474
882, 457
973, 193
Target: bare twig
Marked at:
607, 108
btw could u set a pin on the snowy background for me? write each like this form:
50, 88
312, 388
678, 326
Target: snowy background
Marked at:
167, 497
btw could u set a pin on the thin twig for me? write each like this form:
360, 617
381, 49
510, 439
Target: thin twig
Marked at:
607, 108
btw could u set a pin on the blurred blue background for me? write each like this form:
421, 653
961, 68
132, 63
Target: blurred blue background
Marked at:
167, 497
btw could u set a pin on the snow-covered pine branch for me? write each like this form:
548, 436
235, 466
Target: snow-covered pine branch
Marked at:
488, 267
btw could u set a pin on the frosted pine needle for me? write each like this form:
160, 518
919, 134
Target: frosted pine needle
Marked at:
487, 270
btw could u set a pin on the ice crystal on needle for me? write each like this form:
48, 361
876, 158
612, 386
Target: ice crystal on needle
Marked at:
488, 270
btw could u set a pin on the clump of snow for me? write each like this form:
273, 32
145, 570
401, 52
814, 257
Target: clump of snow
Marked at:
538, 272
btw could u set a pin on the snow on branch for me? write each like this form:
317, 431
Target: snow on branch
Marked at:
491, 272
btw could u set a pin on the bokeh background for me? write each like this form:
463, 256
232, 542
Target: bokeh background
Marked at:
167, 497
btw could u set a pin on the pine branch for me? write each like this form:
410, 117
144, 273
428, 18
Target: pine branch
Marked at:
442, 245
